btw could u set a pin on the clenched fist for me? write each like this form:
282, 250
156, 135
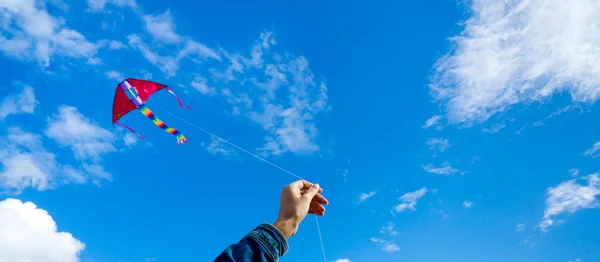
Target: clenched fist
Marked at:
297, 200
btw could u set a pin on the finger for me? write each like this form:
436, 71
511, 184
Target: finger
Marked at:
321, 199
301, 184
302, 191
311, 192
316, 209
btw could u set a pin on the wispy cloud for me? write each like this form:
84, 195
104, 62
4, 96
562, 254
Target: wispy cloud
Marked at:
23, 102
387, 246
364, 196
25, 163
277, 91
444, 169
390, 247
217, 147
388, 229
100, 5
345, 174
20, 223
343, 260
432, 122
467, 204
574, 172
200, 84
569, 197
520, 227
114, 75
169, 64
438, 144
32, 34
86, 139
162, 28
554, 114
130, 139
377, 240
116, 45
507, 54
593, 151
409, 200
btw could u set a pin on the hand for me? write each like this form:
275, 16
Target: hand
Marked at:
297, 200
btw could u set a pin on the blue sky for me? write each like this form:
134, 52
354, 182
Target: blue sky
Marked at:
439, 130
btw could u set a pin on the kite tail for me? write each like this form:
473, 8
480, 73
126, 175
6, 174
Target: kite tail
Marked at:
178, 101
130, 129
180, 137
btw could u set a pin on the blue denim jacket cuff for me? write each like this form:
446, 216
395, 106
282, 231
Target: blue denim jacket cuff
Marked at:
272, 241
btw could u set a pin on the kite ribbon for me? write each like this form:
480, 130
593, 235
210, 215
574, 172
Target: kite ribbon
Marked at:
178, 101
130, 129
148, 113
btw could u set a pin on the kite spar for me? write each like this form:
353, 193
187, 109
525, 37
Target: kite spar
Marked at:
132, 94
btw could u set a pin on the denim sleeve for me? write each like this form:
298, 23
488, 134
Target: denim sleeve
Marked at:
263, 244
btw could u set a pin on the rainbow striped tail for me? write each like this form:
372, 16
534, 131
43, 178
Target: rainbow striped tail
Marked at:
148, 113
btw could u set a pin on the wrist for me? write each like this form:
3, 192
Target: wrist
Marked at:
286, 227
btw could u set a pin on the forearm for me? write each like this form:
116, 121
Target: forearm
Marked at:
265, 243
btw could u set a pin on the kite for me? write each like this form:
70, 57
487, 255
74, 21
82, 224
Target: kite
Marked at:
132, 94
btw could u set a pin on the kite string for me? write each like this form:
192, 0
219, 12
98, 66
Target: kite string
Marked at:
244, 150
320, 238
259, 158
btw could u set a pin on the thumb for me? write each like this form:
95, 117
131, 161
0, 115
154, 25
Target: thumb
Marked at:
311, 192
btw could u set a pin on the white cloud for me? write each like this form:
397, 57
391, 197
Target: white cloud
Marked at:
520, 227
433, 121
286, 103
169, 65
277, 91
25, 163
130, 139
30, 234
377, 240
569, 197
33, 34
85, 138
467, 204
344, 173
593, 151
574, 172
438, 144
343, 260
507, 54
390, 247
388, 229
114, 75
115, 45
218, 147
387, 246
409, 200
200, 84
23, 102
100, 5
444, 169
162, 28
364, 196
